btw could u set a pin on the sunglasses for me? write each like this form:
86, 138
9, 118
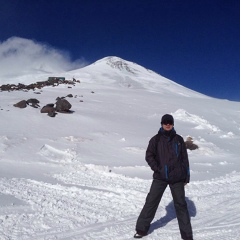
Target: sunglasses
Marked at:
167, 122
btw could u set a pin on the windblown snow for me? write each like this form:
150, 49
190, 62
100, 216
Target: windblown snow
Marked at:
84, 176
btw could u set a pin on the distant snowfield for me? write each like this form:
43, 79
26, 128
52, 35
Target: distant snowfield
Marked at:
83, 175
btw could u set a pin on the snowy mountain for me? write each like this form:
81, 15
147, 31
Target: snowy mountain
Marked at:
83, 175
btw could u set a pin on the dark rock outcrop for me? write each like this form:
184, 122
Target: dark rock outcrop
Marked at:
33, 102
190, 145
63, 106
49, 109
21, 104
37, 85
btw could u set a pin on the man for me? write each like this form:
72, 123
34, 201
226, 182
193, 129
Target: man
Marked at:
167, 156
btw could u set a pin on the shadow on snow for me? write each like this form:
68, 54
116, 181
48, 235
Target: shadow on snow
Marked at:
171, 214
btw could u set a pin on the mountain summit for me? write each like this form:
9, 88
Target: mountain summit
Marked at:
120, 64
117, 71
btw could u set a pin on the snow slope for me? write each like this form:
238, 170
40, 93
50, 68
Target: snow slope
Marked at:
83, 175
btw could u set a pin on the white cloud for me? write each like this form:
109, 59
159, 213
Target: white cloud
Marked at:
20, 56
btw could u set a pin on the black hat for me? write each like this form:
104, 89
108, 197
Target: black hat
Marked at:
167, 118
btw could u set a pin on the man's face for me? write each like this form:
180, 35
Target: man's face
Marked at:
167, 126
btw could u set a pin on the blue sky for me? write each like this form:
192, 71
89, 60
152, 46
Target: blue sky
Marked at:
195, 43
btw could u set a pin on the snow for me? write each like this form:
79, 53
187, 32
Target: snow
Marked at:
83, 175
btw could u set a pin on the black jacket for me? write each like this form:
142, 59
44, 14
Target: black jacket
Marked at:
167, 156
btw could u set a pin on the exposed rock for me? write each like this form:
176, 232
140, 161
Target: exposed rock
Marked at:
52, 114
37, 85
33, 102
50, 105
62, 105
21, 104
190, 145
47, 109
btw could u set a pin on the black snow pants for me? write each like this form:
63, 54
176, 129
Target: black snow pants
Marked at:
152, 201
